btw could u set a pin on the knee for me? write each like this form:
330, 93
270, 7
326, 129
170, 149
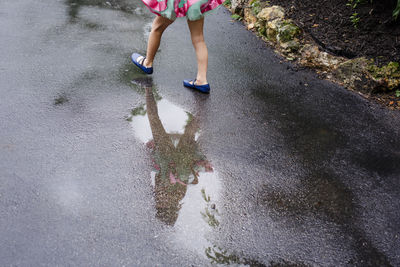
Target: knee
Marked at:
159, 25
197, 39
157, 28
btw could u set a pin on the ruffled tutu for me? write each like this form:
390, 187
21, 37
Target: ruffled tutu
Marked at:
191, 9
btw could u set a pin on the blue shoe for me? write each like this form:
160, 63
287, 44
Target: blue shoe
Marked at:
205, 88
140, 64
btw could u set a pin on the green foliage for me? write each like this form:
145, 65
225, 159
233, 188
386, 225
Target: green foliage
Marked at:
391, 70
219, 256
262, 31
396, 11
354, 3
389, 74
397, 93
209, 216
203, 194
140, 110
255, 6
227, 3
355, 19
288, 32
236, 17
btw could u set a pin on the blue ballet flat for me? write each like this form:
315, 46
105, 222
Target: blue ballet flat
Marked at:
140, 65
205, 88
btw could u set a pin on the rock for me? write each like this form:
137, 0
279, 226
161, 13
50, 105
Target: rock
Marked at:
352, 67
291, 46
311, 56
250, 26
354, 74
309, 52
393, 84
328, 60
274, 24
237, 7
271, 34
363, 75
249, 16
287, 32
389, 74
271, 13
272, 28
259, 24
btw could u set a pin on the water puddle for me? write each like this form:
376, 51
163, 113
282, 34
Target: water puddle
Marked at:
186, 185
127, 6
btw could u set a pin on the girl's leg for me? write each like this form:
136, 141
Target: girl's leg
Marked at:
196, 33
158, 27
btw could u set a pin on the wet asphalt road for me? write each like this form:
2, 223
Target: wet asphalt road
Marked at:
288, 169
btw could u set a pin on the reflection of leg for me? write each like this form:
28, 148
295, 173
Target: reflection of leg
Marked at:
161, 138
187, 146
188, 138
73, 10
196, 33
159, 25
167, 197
196, 178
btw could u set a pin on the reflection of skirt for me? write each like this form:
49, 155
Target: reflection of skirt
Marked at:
192, 9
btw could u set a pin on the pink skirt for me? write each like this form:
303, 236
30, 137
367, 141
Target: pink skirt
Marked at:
191, 9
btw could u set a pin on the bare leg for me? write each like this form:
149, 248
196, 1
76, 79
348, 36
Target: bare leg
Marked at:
159, 25
196, 33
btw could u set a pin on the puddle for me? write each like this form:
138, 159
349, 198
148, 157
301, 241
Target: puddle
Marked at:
122, 16
74, 6
186, 185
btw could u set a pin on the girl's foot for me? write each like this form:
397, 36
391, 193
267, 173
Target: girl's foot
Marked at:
198, 82
204, 88
143, 61
139, 61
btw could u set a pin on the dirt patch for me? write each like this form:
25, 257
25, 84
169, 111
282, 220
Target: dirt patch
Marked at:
377, 34
361, 54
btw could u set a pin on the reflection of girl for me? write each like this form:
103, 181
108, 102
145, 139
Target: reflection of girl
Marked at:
177, 159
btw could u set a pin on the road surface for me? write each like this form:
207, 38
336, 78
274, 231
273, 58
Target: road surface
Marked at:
103, 166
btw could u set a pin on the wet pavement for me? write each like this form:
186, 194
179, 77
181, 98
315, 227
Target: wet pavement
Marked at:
103, 166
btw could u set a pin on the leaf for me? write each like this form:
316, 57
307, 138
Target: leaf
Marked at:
396, 11
236, 17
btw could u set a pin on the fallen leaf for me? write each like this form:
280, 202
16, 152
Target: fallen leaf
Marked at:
315, 25
391, 102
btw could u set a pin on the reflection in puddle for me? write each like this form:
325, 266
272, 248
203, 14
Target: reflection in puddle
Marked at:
186, 186
74, 6
176, 157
